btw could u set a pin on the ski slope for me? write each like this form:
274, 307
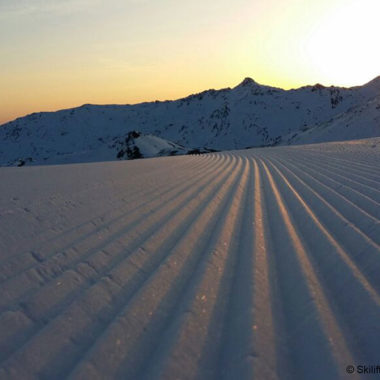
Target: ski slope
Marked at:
260, 263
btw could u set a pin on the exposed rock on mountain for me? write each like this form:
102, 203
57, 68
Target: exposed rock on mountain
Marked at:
247, 115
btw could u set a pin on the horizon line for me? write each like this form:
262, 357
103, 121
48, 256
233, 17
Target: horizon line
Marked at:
244, 82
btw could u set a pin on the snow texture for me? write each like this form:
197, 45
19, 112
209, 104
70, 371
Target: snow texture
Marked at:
261, 263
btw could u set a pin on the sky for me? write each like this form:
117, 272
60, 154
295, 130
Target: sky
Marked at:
58, 54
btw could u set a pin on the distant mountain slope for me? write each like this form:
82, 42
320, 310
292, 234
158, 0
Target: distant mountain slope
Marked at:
248, 115
132, 145
360, 121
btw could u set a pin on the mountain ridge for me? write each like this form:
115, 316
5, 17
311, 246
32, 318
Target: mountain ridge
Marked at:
248, 115
247, 80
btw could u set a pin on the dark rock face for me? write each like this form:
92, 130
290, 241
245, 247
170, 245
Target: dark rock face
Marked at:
336, 97
134, 153
127, 148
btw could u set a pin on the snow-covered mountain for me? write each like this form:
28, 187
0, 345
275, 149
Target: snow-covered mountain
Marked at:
247, 115
359, 121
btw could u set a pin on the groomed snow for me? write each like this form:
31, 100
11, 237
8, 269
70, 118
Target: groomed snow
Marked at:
260, 263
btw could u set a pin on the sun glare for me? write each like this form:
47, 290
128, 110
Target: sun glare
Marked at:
119, 51
343, 45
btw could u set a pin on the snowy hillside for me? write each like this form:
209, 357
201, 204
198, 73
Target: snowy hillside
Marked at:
247, 115
360, 121
254, 264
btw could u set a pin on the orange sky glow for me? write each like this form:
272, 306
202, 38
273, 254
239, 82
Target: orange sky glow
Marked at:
59, 54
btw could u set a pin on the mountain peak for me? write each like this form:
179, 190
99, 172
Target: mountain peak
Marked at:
248, 82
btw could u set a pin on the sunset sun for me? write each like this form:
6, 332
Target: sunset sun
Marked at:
342, 46
132, 51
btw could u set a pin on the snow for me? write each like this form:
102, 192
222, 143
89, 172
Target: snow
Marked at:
259, 263
358, 122
152, 146
249, 115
